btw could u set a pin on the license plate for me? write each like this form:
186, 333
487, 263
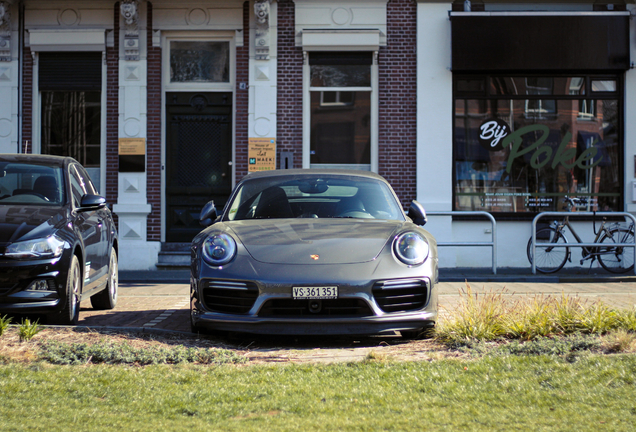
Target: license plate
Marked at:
314, 293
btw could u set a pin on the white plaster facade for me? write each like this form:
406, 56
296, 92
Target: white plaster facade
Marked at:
435, 138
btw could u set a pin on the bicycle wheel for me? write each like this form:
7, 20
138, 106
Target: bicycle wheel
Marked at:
617, 259
549, 259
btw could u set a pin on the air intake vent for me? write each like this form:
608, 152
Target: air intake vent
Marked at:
333, 308
229, 296
401, 294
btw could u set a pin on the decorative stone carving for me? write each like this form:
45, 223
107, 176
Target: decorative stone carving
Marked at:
261, 11
129, 11
5, 31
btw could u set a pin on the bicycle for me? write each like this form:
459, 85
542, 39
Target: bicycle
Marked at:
613, 259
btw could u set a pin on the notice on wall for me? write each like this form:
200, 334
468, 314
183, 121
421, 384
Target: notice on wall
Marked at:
261, 154
132, 146
132, 154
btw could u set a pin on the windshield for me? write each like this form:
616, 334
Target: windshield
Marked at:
324, 196
23, 183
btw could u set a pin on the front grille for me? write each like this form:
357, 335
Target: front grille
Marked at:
229, 296
400, 295
285, 307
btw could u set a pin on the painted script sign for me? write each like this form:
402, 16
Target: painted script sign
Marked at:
495, 135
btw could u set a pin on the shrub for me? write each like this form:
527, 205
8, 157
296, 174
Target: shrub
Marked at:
123, 353
28, 329
4, 323
488, 317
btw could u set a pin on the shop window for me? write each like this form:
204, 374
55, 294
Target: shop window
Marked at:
199, 62
340, 92
517, 152
70, 85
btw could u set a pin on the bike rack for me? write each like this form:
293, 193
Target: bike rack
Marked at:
604, 214
492, 243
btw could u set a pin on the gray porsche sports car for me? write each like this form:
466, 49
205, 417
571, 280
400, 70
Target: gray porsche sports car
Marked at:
314, 252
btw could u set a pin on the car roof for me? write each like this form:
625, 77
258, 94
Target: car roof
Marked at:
37, 158
313, 172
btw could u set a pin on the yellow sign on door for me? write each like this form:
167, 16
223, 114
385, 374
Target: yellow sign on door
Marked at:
261, 154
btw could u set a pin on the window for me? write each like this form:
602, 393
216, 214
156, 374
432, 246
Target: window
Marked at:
340, 93
23, 183
71, 125
518, 151
199, 62
71, 115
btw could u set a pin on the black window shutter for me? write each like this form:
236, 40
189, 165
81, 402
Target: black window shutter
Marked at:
70, 71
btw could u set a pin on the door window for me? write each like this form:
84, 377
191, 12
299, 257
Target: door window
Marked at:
199, 62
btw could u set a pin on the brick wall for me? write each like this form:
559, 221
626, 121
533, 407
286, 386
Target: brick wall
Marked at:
290, 85
398, 99
112, 114
397, 94
242, 98
153, 138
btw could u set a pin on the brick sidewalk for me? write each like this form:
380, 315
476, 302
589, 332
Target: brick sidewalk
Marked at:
165, 305
162, 306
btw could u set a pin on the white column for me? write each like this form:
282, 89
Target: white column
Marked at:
132, 207
434, 121
262, 70
9, 78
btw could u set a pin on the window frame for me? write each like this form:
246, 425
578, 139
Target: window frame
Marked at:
485, 97
35, 146
374, 131
220, 36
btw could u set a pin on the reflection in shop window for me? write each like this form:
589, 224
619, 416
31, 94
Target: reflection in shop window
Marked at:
337, 98
539, 108
507, 161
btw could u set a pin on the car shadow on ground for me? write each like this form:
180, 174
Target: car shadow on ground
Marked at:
235, 341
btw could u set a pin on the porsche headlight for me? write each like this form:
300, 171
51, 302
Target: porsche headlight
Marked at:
50, 247
411, 248
218, 249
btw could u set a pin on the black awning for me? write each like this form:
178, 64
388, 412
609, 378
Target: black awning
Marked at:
540, 42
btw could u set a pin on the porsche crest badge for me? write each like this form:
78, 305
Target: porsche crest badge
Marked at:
315, 257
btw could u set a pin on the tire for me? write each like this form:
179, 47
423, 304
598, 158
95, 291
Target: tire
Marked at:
617, 259
107, 299
549, 259
69, 315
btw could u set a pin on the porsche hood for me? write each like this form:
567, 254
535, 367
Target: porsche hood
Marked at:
315, 241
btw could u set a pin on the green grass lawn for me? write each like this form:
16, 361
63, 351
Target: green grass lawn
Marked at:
489, 393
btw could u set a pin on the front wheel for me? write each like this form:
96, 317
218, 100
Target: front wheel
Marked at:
617, 259
107, 299
549, 259
69, 315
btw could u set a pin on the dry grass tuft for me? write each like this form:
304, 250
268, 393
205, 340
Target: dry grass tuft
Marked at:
490, 316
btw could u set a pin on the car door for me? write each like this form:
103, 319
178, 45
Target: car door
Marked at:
105, 218
89, 225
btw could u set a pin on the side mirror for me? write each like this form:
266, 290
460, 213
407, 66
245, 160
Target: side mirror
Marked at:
208, 214
417, 213
92, 202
